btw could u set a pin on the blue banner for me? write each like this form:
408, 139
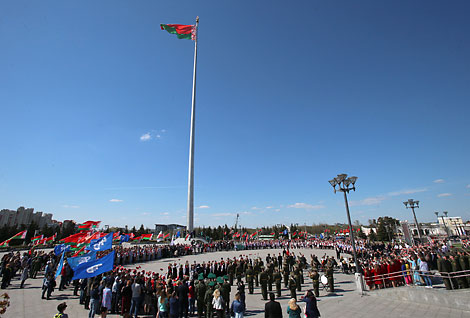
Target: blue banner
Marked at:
101, 244
58, 249
61, 264
95, 267
75, 261
178, 234
285, 232
125, 238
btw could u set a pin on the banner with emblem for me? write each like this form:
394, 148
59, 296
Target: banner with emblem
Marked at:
75, 261
101, 244
95, 267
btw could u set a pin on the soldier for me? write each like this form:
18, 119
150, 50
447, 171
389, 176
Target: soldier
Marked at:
277, 281
239, 272
226, 294
297, 278
316, 282
257, 271
292, 286
285, 273
270, 271
263, 278
231, 272
329, 275
464, 264
200, 294
208, 299
249, 279
444, 267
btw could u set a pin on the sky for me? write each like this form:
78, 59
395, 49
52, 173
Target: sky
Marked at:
95, 105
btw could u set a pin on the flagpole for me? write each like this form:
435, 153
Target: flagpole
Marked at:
190, 226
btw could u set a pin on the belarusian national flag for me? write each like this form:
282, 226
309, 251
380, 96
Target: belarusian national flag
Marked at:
84, 227
182, 31
5, 243
146, 236
93, 224
19, 236
37, 238
166, 236
160, 235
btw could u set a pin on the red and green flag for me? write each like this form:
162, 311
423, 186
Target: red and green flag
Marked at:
182, 31
19, 236
146, 237
37, 239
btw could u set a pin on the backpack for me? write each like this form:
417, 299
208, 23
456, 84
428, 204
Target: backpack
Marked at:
59, 315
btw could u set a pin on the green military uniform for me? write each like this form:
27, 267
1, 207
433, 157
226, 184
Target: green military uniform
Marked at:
239, 272
329, 275
200, 294
231, 272
292, 286
464, 264
270, 271
277, 280
208, 299
249, 279
226, 294
285, 273
301, 275
263, 279
316, 282
257, 271
297, 278
444, 267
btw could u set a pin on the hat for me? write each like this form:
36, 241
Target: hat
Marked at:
211, 284
220, 280
61, 306
226, 277
201, 276
211, 275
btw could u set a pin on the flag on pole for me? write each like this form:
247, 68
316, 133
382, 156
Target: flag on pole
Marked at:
160, 235
19, 236
37, 238
182, 31
77, 260
146, 237
95, 267
101, 244
61, 264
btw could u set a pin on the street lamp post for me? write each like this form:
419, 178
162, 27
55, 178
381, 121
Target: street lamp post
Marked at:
414, 204
345, 185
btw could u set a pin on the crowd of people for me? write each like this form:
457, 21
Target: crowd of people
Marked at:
204, 289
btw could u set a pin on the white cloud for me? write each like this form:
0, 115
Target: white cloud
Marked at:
255, 208
165, 213
223, 214
145, 137
369, 201
277, 210
70, 206
443, 195
306, 206
146, 213
158, 136
203, 207
409, 191
439, 181
163, 130
468, 186
115, 200
269, 207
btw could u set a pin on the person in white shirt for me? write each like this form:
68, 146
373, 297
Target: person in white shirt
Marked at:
218, 304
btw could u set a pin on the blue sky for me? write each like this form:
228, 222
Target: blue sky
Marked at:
95, 102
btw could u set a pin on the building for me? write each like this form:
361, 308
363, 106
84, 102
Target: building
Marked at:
24, 216
169, 227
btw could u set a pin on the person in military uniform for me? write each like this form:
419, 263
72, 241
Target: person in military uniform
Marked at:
316, 282
226, 294
297, 278
208, 299
270, 271
263, 279
329, 275
285, 273
231, 272
277, 280
301, 271
444, 267
464, 264
249, 279
257, 271
200, 295
239, 272
292, 286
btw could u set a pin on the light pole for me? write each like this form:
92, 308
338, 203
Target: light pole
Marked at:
345, 185
414, 204
443, 222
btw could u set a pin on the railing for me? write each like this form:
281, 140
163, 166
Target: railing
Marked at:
411, 273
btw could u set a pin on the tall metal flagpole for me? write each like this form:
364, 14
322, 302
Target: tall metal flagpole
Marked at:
190, 226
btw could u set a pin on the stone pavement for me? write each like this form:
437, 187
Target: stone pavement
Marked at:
345, 302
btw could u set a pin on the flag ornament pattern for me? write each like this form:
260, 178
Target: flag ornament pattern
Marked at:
182, 31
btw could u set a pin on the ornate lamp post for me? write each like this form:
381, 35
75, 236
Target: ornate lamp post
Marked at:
345, 185
414, 204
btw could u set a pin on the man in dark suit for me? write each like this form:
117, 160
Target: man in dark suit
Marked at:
272, 309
